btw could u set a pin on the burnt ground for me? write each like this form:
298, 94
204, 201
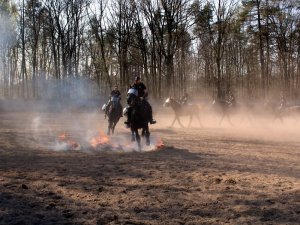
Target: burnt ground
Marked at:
247, 174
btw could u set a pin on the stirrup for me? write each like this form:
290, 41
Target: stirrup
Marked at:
152, 121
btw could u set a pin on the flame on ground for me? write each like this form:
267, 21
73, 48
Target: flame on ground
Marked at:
101, 139
103, 142
62, 137
65, 140
160, 144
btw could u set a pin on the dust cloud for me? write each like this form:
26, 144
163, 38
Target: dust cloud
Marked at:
62, 125
258, 122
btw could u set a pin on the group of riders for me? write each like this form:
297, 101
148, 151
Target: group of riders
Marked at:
231, 101
139, 91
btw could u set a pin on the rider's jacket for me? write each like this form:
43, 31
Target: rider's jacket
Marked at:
140, 88
116, 93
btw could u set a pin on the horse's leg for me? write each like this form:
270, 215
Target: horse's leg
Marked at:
180, 122
132, 135
147, 133
138, 139
295, 118
278, 116
229, 119
114, 125
242, 118
191, 118
109, 127
174, 121
198, 117
113, 128
249, 117
223, 115
281, 119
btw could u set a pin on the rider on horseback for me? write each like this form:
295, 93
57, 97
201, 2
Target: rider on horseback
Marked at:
231, 99
282, 102
115, 92
115, 95
142, 94
184, 99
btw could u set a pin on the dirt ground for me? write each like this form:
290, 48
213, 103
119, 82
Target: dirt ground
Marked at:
216, 174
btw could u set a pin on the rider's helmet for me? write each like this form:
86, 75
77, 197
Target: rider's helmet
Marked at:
137, 79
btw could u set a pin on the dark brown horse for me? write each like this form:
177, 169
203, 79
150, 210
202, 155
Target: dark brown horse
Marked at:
139, 120
113, 113
180, 110
229, 108
223, 107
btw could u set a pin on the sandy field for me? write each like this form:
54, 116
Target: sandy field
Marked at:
50, 173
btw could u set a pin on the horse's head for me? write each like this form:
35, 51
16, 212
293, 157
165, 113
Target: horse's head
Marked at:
171, 102
167, 102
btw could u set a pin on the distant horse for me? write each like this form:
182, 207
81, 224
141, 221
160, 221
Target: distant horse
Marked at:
139, 119
183, 110
273, 108
291, 111
113, 112
279, 112
225, 108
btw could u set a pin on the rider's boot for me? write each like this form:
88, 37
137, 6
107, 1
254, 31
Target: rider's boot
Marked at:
152, 121
149, 109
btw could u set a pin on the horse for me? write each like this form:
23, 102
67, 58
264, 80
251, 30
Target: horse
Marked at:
225, 108
113, 112
139, 120
279, 112
291, 111
183, 110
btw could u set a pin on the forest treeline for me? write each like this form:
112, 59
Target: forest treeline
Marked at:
207, 48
